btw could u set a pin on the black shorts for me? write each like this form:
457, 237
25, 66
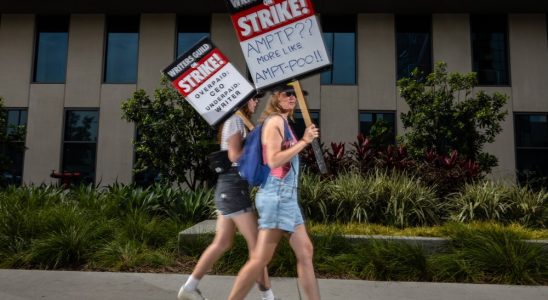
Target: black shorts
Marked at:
232, 193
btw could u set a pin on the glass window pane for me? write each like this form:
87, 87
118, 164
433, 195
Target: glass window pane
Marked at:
368, 119
122, 49
339, 33
81, 126
414, 44
344, 71
191, 29
299, 126
80, 157
51, 49
15, 151
329, 40
531, 130
490, 49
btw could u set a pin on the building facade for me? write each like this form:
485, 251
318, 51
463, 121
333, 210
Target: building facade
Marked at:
65, 69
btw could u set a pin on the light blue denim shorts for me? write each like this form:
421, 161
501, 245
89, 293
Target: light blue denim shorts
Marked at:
277, 204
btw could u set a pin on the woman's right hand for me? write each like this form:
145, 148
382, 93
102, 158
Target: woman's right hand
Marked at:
310, 134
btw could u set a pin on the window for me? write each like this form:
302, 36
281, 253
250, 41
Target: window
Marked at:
80, 143
413, 44
490, 48
339, 34
122, 49
531, 145
191, 29
50, 54
383, 123
14, 151
299, 126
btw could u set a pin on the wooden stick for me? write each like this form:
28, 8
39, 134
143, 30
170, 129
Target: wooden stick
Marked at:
308, 121
247, 122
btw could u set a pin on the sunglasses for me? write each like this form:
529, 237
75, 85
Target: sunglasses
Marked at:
289, 93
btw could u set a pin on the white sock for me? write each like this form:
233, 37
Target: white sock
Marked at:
191, 283
267, 295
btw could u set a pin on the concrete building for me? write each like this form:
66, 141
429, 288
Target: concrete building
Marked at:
66, 66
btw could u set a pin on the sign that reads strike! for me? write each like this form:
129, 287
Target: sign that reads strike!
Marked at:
209, 82
280, 39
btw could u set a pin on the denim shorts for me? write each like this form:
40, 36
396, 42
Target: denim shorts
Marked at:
277, 204
232, 194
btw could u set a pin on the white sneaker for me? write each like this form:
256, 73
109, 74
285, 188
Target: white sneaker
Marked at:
190, 295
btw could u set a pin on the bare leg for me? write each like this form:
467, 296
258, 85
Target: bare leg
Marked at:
304, 252
247, 225
224, 237
266, 245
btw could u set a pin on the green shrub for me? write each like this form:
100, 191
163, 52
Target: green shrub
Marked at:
402, 201
349, 198
491, 254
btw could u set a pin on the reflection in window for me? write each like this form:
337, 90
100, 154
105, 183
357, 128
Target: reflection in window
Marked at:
490, 48
383, 125
122, 49
80, 143
191, 29
414, 44
50, 62
14, 151
299, 126
339, 34
531, 146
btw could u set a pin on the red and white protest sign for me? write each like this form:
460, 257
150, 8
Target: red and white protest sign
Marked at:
280, 39
209, 82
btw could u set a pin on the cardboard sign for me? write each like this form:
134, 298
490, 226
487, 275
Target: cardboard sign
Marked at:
209, 82
280, 39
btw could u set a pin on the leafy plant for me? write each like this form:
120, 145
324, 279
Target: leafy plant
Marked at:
172, 137
446, 114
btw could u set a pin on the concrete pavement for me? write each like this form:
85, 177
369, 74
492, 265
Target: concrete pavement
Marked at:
33, 284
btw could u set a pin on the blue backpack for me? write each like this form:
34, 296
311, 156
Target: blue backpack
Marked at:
251, 165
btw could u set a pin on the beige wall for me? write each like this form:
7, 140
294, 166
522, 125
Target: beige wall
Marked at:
44, 130
452, 42
339, 113
376, 62
16, 50
375, 89
114, 148
529, 62
85, 60
504, 146
156, 49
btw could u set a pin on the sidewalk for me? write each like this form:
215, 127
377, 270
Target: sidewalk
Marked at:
25, 284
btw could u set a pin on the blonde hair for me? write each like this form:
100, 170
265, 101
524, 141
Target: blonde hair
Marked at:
273, 108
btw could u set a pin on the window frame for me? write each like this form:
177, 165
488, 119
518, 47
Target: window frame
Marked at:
334, 20
23, 142
108, 19
375, 112
431, 41
507, 45
63, 141
46, 21
196, 21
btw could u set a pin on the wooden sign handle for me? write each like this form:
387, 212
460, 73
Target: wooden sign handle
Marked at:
308, 121
246, 120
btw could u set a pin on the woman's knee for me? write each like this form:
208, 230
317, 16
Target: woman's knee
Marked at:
305, 252
222, 244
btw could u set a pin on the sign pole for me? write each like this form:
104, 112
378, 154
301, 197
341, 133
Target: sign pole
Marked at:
247, 122
308, 121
